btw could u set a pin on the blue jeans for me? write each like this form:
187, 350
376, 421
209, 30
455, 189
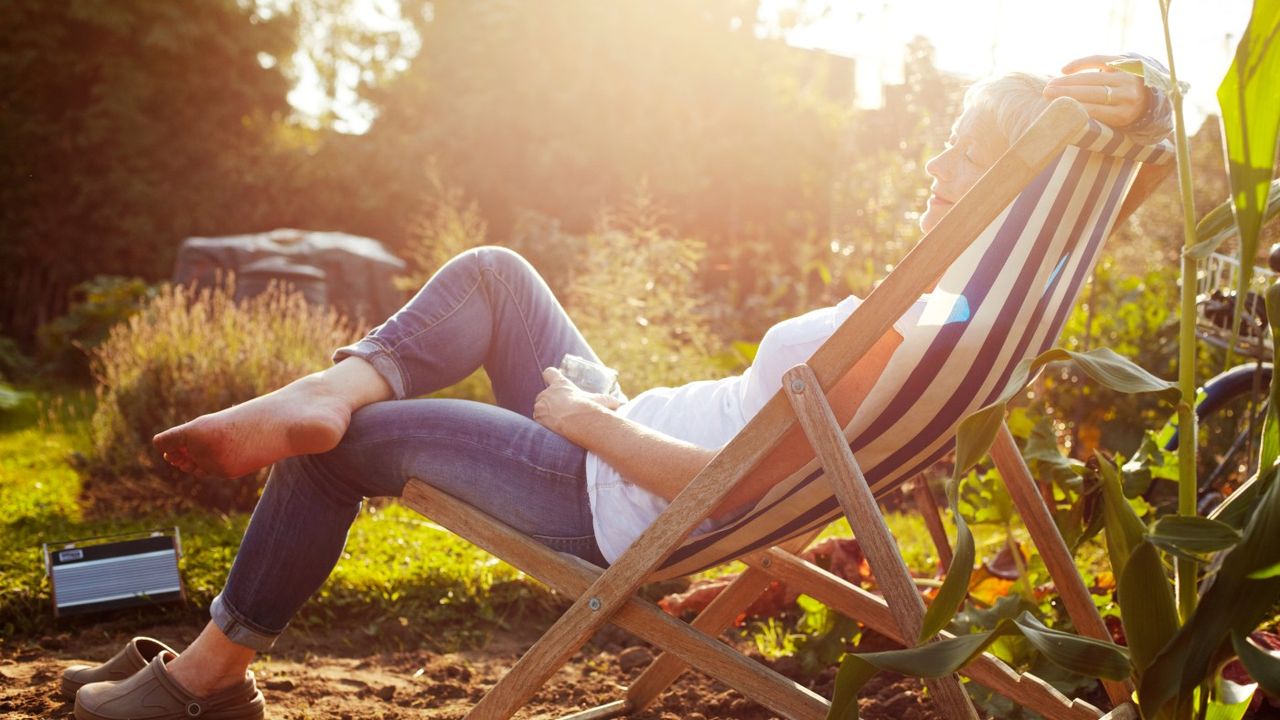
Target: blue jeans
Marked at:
485, 308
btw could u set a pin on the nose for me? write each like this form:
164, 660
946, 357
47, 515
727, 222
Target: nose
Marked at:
939, 166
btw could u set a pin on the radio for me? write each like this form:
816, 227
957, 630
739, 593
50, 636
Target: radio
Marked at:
114, 571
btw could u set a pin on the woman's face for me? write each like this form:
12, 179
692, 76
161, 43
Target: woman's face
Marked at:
958, 167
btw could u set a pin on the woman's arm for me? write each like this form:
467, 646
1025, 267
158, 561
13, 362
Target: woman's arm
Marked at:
657, 462
664, 465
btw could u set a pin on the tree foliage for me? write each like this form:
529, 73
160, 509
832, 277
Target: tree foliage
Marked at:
130, 125
127, 125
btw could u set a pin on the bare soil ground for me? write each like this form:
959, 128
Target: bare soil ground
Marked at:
328, 675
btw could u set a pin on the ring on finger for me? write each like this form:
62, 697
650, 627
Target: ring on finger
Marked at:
1108, 89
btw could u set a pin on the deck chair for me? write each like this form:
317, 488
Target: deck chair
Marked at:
1010, 259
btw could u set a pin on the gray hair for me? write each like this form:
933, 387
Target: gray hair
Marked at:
1006, 106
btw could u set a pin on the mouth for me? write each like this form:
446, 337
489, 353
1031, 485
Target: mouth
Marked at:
936, 199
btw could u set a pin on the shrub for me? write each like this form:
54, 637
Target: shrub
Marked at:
188, 353
97, 306
633, 293
446, 226
13, 362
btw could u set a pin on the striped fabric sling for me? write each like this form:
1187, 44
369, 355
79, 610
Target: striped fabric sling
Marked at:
1005, 299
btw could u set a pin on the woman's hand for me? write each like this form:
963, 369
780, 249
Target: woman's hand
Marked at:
563, 406
1111, 96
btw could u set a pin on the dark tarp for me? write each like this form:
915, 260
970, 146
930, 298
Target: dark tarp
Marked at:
351, 273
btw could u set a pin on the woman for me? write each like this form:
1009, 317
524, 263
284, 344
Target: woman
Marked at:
549, 459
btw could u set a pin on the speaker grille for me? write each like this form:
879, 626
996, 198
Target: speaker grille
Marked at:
116, 578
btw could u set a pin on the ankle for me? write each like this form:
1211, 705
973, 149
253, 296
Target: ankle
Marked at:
355, 382
204, 678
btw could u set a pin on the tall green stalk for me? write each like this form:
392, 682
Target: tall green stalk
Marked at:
1184, 570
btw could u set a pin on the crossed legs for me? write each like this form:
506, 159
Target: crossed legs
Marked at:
332, 442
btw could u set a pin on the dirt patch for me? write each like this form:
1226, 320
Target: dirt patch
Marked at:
325, 675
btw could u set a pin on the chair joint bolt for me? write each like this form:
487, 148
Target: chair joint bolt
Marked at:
797, 386
594, 603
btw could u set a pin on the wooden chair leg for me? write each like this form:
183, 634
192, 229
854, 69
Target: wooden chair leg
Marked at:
1053, 549
828, 441
932, 514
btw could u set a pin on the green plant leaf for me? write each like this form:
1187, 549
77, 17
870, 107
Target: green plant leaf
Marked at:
1250, 125
1241, 504
956, 585
1087, 656
854, 672
1042, 453
1219, 224
1263, 666
1232, 602
1270, 445
1189, 534
1122, 374
1147, 607
1123, 529
1267, 572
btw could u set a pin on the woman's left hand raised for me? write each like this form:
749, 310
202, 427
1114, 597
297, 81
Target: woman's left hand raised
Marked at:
1112, 96
563, 405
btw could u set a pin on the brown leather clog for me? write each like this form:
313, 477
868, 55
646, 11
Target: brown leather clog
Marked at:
132, 657
152, 694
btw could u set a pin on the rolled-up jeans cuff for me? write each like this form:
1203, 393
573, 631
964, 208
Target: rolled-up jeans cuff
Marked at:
382, 359
238, 630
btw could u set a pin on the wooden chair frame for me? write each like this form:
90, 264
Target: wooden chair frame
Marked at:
609, 595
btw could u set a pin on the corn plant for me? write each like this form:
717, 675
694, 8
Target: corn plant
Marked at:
1180, 633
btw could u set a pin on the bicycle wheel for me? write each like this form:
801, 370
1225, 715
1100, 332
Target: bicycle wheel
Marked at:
1229, 420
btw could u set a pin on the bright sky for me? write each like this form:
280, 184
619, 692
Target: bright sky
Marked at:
975, 38
983, 37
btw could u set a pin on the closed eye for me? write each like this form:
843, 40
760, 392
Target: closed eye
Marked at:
968, 150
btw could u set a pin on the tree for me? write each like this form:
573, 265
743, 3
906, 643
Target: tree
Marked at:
126, 126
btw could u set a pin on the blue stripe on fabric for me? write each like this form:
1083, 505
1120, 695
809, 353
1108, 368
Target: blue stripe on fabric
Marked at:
1095, 243
1057, 269
959, 311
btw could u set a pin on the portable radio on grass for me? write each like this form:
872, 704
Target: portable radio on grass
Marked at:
115, 571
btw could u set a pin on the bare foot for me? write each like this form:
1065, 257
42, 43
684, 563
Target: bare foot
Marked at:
304, 417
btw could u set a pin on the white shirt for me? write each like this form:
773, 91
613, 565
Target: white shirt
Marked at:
708, 414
